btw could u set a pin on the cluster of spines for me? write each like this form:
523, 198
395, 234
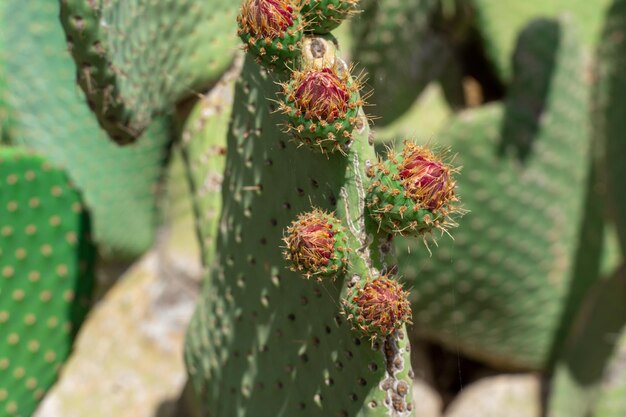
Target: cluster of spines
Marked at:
322, 106
316, 245
412, 193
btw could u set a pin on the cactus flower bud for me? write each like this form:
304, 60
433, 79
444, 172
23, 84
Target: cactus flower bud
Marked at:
412, 193
322, 106
272, 30
316, 244
377, 307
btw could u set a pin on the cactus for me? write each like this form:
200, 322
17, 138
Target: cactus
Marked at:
48, 114
135, 59
260, 328
262, 338
518, 158
46, 276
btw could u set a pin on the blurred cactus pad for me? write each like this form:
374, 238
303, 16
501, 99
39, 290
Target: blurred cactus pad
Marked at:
46, 276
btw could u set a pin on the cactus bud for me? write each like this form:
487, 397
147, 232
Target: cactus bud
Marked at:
272, 30
325, 15
377, 307
316, 244
413, 192
322, 106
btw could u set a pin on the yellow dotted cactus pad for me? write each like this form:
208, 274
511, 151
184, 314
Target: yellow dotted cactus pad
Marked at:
45, 276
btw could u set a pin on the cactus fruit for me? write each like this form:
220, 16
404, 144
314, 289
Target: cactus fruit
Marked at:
377, 306
325, 15
322, 106
48, 114
525, 193
272, 30
135, 59
412, 192
316, 244
46, 276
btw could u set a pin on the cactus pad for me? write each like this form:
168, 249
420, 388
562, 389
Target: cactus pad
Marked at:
524, 169
46, 276
137, 58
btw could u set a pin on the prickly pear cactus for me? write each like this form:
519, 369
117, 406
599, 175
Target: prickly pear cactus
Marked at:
301, 312
608, 111
46, 276
524, 169
50, 116
263, 338
136, 58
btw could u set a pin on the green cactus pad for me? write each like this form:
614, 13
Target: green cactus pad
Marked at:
499, 290
412, 193
322, 16
263, 340
394, 44
316, 244
49, 115
137, 58
608, 111
500, 21
46, 276
322, 107
272, 30
204, 150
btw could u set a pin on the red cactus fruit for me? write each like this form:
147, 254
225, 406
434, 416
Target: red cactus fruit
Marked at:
378, 307
323, 95
266, 18
425, 178
316, 244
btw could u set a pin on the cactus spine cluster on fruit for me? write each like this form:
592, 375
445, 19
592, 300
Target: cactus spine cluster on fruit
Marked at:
292, 212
